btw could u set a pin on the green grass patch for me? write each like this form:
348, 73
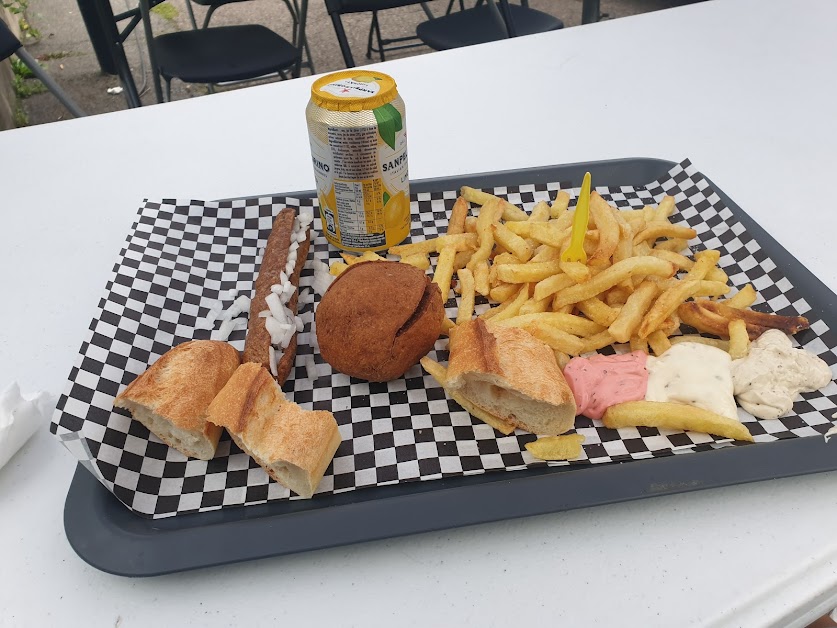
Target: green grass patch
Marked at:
166, 11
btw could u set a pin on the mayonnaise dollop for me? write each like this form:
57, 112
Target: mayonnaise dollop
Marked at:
771, 376
601, 381
694, 374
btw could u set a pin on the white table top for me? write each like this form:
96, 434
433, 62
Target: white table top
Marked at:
740, 87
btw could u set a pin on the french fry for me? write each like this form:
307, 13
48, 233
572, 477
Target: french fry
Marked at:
625, 247
456, 224
527, 273
462, 258
420, 261
658, 342
489, 214
609, 277
460, 241
544, 232
712, 342
665, 208
336, 268
470, 224
664, 229
665, 305
533, 306
494, 311
504, 292
560, 204
575, 325
704, 262
649, 214
674, 416
478, 197
466, 303
681, 261
562, 358
577, 271
439, 373
639, 344
549, 286
608, 230
481, 272
711, 289
630, 316
514, 306
546, 253
618, 296
716, 274
744, 298
540, 212
447, 325
789, 324
505, 258
598, 311
564, 447
696, 315
596, 342
739, 341
676, 245
557, 339
513, 242
444, 271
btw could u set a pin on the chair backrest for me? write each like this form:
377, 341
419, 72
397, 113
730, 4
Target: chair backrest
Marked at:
364, 6
9, 44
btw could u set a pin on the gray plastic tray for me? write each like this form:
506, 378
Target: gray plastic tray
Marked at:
109, 537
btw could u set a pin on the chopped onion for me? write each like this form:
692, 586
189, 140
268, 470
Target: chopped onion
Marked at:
240, 323
305, 217
225, 330
243, 302
294, 246
275, 305
298, 323
204, 323
273, 369
277, 288
283, 278
232, 292
274, 328
286, 339
310, 367
264, 313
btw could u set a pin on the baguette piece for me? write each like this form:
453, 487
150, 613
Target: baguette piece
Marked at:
293, 445
274, 260
511, 375
171, 397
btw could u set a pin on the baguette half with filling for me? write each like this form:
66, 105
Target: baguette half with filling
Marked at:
294, 446
278, 250
171, 397
511, 375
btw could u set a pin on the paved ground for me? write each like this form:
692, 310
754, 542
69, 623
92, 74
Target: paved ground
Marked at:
66, 52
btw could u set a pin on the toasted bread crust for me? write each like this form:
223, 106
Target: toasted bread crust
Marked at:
272, 429
509, 359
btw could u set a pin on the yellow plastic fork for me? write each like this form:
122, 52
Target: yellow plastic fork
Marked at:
575, 252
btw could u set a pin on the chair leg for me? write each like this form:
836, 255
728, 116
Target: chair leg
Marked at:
379, 37
427, 11
191, 15
168, 89
46, 79
341, 39
145, 10
117, 52
208, 17
371, 34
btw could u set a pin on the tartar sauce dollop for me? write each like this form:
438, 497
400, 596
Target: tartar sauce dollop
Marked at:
771, 376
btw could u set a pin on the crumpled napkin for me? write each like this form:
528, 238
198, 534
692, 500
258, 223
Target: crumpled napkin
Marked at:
20, 417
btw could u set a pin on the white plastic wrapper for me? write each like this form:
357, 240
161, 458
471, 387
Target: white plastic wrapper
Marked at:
20, 418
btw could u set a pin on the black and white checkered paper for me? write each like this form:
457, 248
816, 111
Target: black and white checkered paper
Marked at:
181, 257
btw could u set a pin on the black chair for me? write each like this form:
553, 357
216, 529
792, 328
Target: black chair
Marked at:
485, 22
292, 6
9, 45
223, 54
336, 8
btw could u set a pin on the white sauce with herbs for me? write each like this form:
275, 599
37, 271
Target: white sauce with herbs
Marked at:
768, 380
695, 374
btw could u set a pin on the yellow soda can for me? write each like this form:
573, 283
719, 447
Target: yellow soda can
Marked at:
358, 134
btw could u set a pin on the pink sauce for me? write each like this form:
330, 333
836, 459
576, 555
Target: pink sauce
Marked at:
601, 381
